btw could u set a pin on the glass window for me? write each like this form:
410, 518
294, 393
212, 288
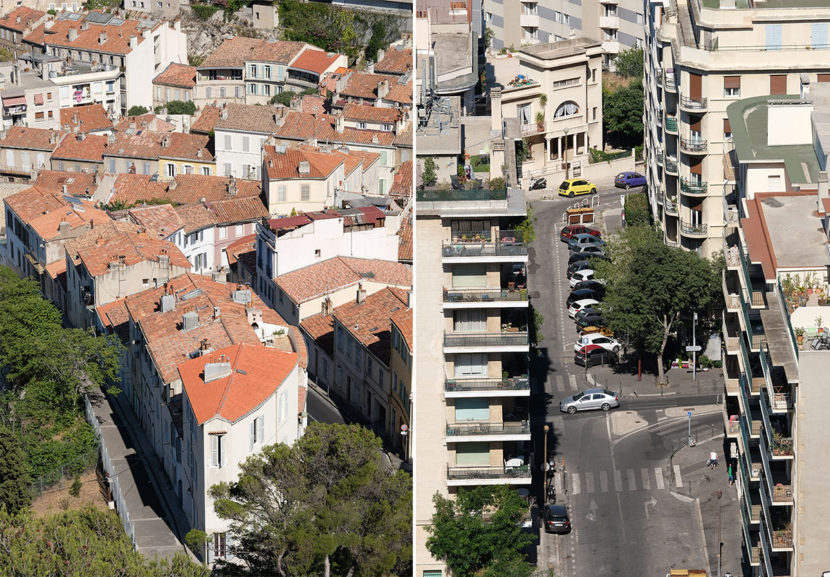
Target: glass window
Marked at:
305, 192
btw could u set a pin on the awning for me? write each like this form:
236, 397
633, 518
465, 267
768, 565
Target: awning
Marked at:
38, 99
38, 267
14, 101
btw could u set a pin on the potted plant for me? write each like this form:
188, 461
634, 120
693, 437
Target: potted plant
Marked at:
540, 121
799, 335
819, 326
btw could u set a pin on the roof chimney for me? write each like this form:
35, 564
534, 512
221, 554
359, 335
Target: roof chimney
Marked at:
168, 303
304, 168
102, 37
326, 306
215, 371
190, 320
232, 186
254, 316
171, 185
361, 294
383, 89
338, 124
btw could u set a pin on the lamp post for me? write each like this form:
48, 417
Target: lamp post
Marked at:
545, 467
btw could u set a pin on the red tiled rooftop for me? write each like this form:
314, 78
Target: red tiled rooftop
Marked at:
300, 126
89, 118
84, 147
153, 145
206, 120
402, 182
313, 104
256, 372
369, 321
176, 74
31, 138
161, 218
365, 84
231, 53
114, 317
320, 328
315, 61
286, 165
44, 212
135, 124
400, 93
21, 18
405, 246
395, 60
402, 319
365, 113
117, 40
241, 246
76, 183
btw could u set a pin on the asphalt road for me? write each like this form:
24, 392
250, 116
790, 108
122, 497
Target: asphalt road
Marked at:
321, 408
613, 469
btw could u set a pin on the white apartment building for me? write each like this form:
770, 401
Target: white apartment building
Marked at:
240, 132
699, 58
472, 390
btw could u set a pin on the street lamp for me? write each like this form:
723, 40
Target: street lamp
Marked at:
545, 467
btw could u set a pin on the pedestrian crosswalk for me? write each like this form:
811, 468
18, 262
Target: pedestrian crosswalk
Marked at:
624, 480
562, 384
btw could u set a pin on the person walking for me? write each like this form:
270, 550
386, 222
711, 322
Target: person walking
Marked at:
713, 460
731, 476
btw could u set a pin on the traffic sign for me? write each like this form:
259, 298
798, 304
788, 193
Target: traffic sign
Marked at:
694, 349
688, 413
404, 427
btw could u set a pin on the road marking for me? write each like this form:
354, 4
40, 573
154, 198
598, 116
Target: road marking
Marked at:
560, 383
589, 482
646, 480
590, 378
603, 481
575, 481
658, 475
572, 381
617, 481
632, 479
678, 481
557, 484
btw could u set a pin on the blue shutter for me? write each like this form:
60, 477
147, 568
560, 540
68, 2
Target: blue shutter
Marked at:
819, 35
775, 35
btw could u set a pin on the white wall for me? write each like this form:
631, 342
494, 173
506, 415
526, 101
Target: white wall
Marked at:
233, 153
758, 180
194, 246
789, 124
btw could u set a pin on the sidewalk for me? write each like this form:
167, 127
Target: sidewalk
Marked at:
147, 493
702, 484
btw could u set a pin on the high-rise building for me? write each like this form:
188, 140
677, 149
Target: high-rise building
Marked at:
701, 56
471, 424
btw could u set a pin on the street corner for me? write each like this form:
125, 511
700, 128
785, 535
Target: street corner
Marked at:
675, 412
695, 477
626, 422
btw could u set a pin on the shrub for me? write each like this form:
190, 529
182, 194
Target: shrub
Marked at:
137, 111
204, 11
75, 489
196, 540
179, 107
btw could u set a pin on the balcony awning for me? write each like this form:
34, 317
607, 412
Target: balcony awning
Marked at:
38, 267
14, 101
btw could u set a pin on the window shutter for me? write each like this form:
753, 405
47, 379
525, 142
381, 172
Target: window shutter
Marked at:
253, 434
775, 34
214, 450
819, 35
260, 433
727, 128
732, 82
823, 78
777, 84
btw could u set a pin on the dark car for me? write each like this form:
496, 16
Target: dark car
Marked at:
592, 285
578, 266
586, 255
574, 229
590, 250
592, 318
556, 519
581, 294
591, 355
578, 242
628, 179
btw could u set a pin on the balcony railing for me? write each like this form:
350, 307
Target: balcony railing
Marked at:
690, 229
693, 103
671, 124
506, 339
782, 493
460, 430
483, 195
474, 473
478, 236
669, 82
671, 165
693, 145
693, 188
484, 385
474, 249
483, 295
670, 205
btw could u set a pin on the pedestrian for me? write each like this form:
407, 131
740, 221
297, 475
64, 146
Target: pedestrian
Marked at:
731, 476
713, 460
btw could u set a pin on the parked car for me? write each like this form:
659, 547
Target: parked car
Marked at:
576, 187
581, 241
578, 266
589, 319
594, 285
556, 519
577, 306
628, 179
538, 184
587, 255
581, 294
608, 343
591, 250
592, 355
581, 275
590, 399
575, 229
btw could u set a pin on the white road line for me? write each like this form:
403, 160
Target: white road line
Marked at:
575, 481
603, 481
557, 484
678, 481
618, 481
646, 480
590, 378
560, 383
589, 482
632, 479
572, 381
658, 475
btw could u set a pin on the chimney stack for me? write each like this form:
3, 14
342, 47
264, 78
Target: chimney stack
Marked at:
338, 124
361, 294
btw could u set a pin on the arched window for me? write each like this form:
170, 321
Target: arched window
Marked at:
567, 108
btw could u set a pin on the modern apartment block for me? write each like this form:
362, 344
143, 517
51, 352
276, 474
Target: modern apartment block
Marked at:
471, 422
775, 289
618, 24
701, 56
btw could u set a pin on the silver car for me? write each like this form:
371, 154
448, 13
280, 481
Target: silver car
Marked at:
590, 399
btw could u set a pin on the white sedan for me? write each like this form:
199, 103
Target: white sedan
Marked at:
579, 276
577, 306
607, 343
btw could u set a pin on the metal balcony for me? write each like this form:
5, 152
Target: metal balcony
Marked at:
670, 205
483, 429
693, 230
693, 104
505, 474
480, 387
669, 82
671, 124
471, 298
505, 339
670, 165
691, 188
693, 145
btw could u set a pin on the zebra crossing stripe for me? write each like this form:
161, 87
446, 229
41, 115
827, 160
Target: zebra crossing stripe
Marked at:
575, 481
603, 481
589, 482
572, 381
646, 480
560, 383
617, 481
557, 484
658, 475
678, 481
632, 480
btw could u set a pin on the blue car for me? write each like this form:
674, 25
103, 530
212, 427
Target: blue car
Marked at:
628, 179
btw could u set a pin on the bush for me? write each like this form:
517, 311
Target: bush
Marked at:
196, 540
5, 55
75, 489
283, 98
496, 183
636, 209
428, 175
204, 11
179, 107
137, 111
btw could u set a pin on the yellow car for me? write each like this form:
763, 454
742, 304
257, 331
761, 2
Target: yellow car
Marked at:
576, 187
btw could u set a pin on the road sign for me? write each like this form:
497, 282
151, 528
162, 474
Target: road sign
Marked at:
694, 349
404, 428
688, 413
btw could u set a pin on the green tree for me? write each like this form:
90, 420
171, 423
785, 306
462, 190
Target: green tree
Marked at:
80, 543
180, 107
376, 42
527, 226
636, 209
478, 529
14, 474
650, 287
488, 37
283, 98
5, 55
622, 112
629, 63
428, 175
137, 110
323, 506
496, 183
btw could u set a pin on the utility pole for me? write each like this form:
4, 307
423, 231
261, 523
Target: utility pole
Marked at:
545, 468
694, 343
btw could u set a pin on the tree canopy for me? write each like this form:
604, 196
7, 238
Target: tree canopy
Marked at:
428, 175
622, 111
629, 63
137, 110
478, 532
649, 286
323, 506
636, 209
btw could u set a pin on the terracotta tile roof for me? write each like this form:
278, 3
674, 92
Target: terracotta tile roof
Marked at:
405, 248
255, 373
115, 318
353, 157
44, 212
315, 61
396, 60
403, 320
104, 244
402, 181
369, 322
232, 53
169, 345
400, 93
131, 189
77, 183
85, 147
403, 138
149, 121
154, 145
195, 217
340, 272
221, 213
365, 84
89, 118
31, 138
240, 247
285, 165
191, 188
186, 146
21, 18
161, 218
177, 74
207, 119
288, 223
365, 113
320, 329
56, 269
117, 40
301, 126
248, 118
313, 104
279, 51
